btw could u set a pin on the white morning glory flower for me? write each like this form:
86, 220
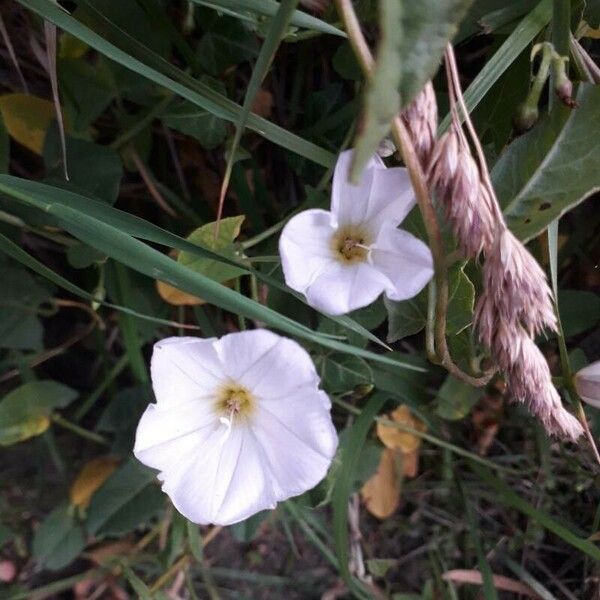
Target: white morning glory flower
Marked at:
345, 258
239, 424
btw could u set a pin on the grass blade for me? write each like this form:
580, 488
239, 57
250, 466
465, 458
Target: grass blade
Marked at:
269, 8
505, 495
155, 68
276, 32
344, 486
514, 44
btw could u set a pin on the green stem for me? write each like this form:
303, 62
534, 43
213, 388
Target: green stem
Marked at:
93, 397
80, 431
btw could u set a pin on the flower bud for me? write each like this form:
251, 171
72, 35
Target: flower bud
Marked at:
526, 117
562, 84
587, 384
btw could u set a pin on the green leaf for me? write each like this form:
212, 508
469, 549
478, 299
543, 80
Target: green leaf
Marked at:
382, 102
407, 317
226, 43
197, 122
551, 169
86, 90
142, 61
124, 500
512, 47
455, 399
94, 170
229, 229
20, 298
461, 301
269, 8
25, 412
427, 26
579, 311
410, 316
133, 19
58, 540
342, 373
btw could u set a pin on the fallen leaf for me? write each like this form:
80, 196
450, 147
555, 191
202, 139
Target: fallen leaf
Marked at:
410, 464
90, 478
486, 418
394, 438
263, 103
500, 582
381, 493
27, 119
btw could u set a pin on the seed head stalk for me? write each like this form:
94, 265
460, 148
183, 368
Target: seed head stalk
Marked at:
438, 351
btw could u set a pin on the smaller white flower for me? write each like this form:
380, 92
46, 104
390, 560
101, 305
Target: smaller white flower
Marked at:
345, 258
239, 424
587, 383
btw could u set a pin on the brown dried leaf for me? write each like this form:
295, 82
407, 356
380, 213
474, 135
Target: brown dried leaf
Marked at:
394, 438
381, 493
500, 582
90, 478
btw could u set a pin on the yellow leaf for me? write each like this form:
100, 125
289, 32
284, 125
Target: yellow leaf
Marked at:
394, 438
90, 478
27, 119
28, 427
176, 297
381, 493
71, 47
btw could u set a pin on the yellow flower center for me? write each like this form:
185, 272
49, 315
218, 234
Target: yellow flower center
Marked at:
234, 402
351, 245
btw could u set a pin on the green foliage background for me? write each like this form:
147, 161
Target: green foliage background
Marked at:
161, 101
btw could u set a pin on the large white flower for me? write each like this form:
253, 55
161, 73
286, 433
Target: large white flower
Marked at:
239, 424
345, 258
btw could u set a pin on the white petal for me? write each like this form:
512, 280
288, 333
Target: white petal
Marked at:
164, 435
240, 351
305, 247
404, 259
184, 369
350, 203
279, 371
391, 198
224, 482
298, 439
587, 382
344, 288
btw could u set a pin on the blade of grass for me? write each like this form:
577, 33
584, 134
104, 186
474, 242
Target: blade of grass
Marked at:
21, 256
514, 44
136, 227
487, 575
131, 339
145, 259
146, 63
269, 8
344, 486
506, 496
277, 29
527, 578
